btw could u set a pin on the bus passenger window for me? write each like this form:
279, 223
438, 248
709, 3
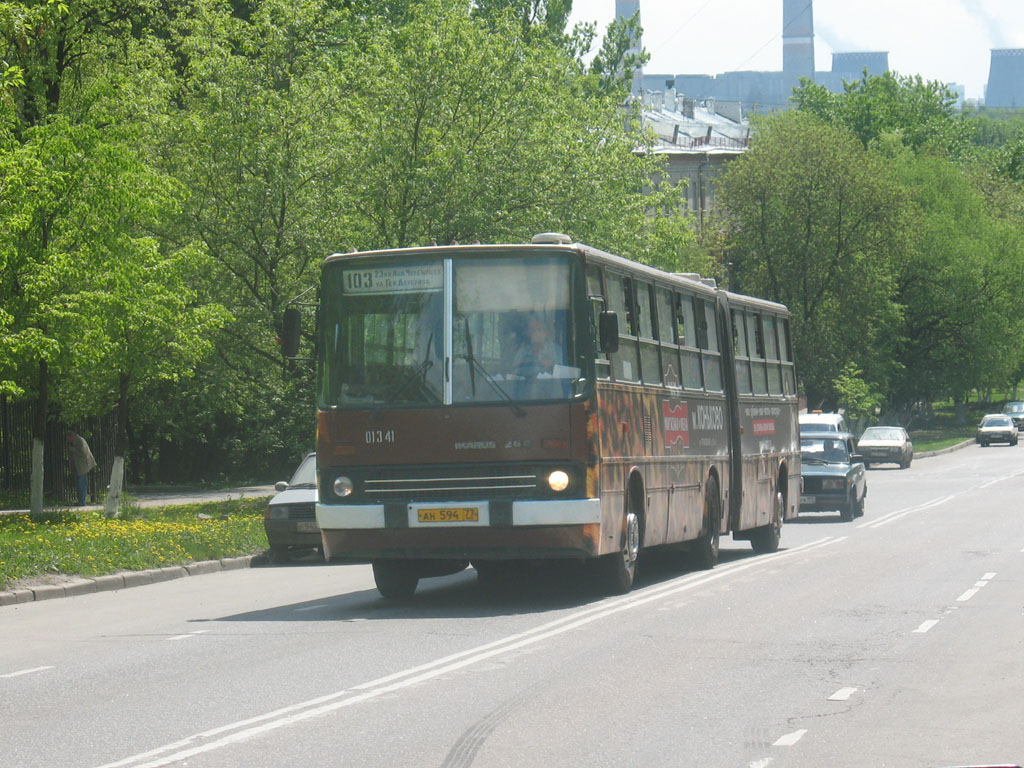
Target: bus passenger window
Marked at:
771, 338
649, 358
625, 362
709, 350
788, 371
755, 334
686, 325
739, 340
666, 333
602, 365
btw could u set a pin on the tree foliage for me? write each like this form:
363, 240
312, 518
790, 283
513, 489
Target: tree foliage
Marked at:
816, 223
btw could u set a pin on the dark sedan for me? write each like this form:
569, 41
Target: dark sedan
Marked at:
834, 477
1015, 410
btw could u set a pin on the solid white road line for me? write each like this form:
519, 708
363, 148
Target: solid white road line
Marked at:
246, 729
878, 522
790, 738
21, 672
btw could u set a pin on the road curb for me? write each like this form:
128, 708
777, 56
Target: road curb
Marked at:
950, 449
122, 580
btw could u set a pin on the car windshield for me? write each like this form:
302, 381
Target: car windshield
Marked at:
882, 433
996, 421
306, 473
824, 449
500, 325
1013, 408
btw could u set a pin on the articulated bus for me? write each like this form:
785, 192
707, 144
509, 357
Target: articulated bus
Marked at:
479, 404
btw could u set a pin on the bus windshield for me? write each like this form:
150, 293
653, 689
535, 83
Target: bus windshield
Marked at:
500, 324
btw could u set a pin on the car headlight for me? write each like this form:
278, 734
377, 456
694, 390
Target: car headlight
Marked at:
833, 484
277, 513
558, 480
342, 486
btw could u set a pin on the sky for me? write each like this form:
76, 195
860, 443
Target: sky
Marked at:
945, 40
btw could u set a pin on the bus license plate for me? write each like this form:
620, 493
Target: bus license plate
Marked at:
446, 515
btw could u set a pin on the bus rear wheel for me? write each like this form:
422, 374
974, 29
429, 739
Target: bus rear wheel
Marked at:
618, 570
705, 548
765, 539
395, 579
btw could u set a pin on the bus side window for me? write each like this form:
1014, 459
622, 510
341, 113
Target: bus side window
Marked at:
771, 338
602, 365
755, 339
709, 350
667, 335
686, 325
788, 369
649, 359
739, 342
625, 362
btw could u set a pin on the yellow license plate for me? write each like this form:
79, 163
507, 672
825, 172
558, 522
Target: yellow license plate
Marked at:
461, 515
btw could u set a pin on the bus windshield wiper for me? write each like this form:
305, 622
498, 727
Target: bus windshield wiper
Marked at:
417, 375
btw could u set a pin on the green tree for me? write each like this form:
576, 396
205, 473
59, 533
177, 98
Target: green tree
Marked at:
961, 285
816, 222
921, 112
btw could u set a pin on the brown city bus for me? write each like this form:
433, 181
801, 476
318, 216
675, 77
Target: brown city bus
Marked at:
487, 403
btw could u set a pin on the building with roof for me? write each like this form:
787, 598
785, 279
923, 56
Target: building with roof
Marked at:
696, 139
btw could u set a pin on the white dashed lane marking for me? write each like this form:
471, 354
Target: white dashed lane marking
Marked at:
927, 625
190, 634
842, 694
790, 738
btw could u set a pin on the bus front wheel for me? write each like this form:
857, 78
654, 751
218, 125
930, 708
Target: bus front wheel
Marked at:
618, 570
395, 579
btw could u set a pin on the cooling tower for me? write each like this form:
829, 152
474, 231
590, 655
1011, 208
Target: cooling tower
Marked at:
797, 42
1006, 79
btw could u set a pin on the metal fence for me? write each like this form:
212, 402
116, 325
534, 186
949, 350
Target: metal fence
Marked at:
16, 420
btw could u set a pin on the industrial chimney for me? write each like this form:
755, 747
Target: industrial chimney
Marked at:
1006, 79
797, 43
625, 9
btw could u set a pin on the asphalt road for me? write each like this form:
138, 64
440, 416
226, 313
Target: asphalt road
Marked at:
894, 640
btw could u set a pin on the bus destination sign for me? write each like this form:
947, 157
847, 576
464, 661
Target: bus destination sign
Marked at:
381, 280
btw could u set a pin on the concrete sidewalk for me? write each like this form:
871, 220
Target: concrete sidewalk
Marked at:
164, 498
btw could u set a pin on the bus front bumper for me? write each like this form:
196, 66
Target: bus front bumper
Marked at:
485, 529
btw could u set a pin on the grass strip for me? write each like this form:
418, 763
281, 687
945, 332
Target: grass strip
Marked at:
85, 543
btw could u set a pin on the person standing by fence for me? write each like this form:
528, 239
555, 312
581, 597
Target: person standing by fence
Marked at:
82, 463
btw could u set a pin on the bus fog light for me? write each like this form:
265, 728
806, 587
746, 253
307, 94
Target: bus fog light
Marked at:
558, 480
342, 486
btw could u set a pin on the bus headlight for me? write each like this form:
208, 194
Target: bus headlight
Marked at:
342, 486
558, 480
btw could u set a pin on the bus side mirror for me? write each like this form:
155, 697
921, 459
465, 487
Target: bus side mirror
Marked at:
608, 330
291, 331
